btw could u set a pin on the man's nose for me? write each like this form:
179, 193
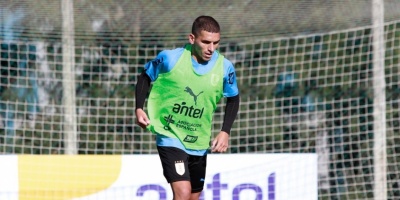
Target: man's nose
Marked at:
211, 47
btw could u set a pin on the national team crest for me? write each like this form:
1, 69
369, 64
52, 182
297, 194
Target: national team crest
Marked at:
180, 167
214, 79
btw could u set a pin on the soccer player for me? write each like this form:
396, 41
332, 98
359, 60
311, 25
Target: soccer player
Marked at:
188, 82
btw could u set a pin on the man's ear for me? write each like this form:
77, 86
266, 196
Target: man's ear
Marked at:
191, 38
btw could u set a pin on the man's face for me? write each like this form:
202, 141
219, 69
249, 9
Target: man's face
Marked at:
204, 45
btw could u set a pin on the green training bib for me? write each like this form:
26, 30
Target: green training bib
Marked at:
182, 103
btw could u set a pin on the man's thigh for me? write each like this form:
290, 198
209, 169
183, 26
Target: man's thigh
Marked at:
179, 166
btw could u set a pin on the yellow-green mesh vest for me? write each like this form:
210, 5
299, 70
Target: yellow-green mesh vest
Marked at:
182, 103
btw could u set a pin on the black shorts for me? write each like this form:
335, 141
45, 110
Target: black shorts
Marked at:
180, 166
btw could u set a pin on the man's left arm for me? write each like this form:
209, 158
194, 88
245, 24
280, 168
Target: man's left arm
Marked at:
231, 92
221, 141
231, 110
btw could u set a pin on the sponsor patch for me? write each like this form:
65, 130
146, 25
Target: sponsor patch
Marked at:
190, 139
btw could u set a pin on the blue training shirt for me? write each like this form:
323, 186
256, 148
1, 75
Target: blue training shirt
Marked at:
165, 61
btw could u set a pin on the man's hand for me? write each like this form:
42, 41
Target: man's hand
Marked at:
220, 143
141, 118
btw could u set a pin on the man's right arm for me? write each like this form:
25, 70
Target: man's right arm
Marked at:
161, 64
142, 89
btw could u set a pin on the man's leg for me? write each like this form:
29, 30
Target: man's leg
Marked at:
197, 168
175, 168
182, 190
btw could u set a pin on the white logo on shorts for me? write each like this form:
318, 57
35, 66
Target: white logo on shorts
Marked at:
180, 167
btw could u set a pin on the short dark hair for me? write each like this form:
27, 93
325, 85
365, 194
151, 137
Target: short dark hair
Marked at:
205, 23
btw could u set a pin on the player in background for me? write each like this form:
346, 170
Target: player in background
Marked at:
188, 83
